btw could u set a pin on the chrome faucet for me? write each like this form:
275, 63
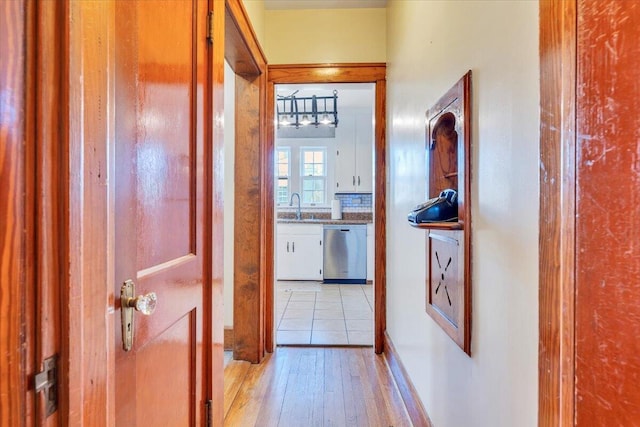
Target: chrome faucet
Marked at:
298, 214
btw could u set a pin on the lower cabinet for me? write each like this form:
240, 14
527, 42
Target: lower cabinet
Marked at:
299, 252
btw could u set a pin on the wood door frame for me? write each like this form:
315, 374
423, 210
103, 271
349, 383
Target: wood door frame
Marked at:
556, 364
253, 222
18, 203
35, 149
339, 73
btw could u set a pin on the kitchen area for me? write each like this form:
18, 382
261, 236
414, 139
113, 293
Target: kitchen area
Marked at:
324, 217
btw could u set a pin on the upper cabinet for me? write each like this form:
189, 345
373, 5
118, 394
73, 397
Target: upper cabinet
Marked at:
353, 162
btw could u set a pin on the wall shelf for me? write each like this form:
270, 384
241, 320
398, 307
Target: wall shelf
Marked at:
448, 244
439, 226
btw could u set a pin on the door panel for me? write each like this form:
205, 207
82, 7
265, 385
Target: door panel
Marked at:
167, 346
159, 221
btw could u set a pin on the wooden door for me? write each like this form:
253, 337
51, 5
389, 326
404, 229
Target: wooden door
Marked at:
160, 91
607, 307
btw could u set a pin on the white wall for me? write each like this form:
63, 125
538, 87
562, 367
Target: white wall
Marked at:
255, 11
305, 36
430, 45
229, 188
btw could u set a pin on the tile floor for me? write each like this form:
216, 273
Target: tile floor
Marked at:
314, 313
228, 357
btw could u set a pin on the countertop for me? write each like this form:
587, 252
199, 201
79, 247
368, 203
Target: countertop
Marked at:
324, 221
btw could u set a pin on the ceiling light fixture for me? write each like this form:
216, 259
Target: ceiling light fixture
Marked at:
304, 110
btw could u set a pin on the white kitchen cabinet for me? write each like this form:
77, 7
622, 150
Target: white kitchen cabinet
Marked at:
354, 159
299, 252
370, 253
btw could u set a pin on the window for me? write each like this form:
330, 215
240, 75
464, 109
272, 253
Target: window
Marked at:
282, 173
314, 175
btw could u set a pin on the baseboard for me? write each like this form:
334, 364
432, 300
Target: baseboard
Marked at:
412, 402
229, 338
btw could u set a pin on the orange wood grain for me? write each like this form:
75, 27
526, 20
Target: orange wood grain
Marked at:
86, 290
267, 230
315, 386
248, 303
439, 226
327, 73
51, 135
442, 146
214, 326
410, 397
445, 290
557, 213
14, 212
162, 178
269, 250
607, 256
456, 103
242, 50
380, 213
247, 403
253, 216
234, 375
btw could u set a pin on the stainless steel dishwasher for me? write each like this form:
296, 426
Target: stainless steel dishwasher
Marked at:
345, 253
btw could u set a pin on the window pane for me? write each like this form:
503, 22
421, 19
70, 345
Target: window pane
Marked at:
307, 185
313, 190
308, 156
282, 190
282, 162
313, 171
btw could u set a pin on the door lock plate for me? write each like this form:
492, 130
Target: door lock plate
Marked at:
47, 383
129, 302
127, 292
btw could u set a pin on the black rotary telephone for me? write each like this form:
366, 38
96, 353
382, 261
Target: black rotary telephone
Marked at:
443, 208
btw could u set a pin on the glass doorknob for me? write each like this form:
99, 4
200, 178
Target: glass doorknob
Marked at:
145, 304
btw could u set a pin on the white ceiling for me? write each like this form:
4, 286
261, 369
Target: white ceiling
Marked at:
323, 4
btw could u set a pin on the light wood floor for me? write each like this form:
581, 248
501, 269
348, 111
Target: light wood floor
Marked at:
313, 386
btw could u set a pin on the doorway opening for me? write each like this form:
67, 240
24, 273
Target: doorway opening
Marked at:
314, 75
323, 205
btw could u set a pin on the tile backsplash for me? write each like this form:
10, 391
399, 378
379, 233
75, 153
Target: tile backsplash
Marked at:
354, 206
355, 202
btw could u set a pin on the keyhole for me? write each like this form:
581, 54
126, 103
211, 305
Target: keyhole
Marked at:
128, 327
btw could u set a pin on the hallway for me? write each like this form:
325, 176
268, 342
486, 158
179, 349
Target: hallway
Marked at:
304, 386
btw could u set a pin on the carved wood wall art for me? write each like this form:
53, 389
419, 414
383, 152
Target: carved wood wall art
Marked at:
448, 147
